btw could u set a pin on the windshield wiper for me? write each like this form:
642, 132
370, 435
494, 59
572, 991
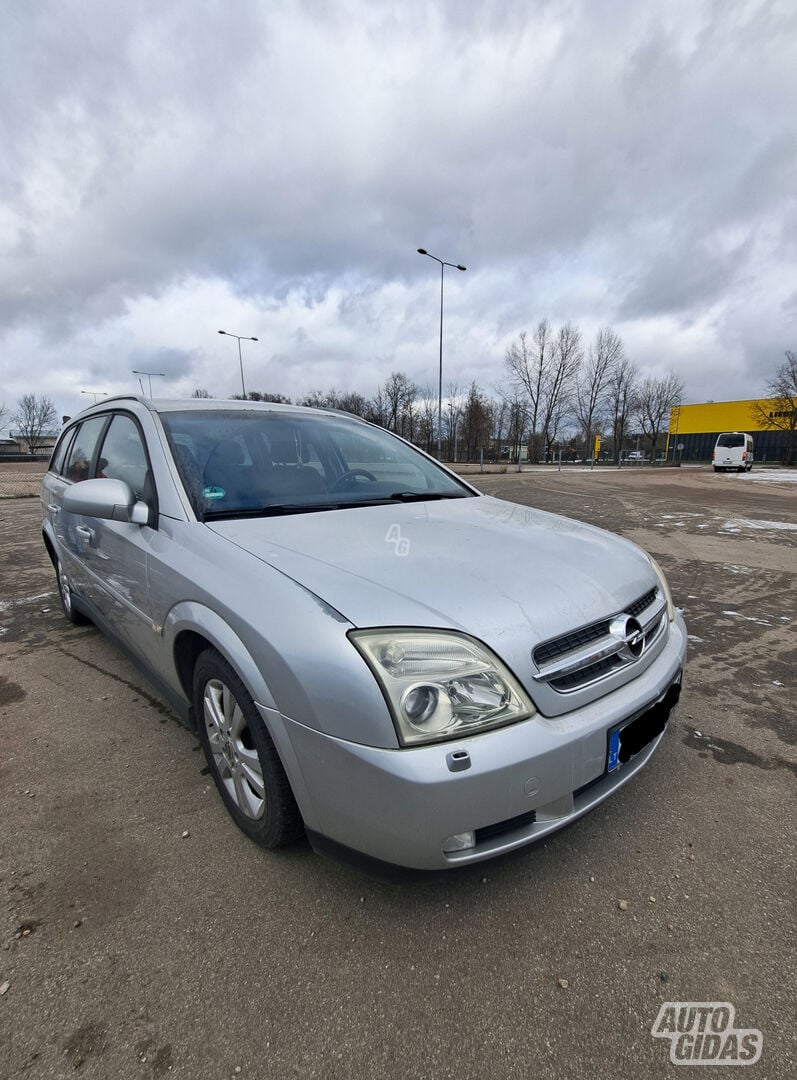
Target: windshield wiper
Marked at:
422, 496
285, 509
272, 510
278, 509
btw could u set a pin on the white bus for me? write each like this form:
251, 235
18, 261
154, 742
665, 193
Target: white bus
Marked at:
733, 451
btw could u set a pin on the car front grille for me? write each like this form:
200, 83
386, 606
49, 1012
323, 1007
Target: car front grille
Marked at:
585, 655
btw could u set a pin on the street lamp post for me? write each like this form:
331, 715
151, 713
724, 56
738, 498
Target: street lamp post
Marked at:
443, 265
149, 374
240, 357
95, 394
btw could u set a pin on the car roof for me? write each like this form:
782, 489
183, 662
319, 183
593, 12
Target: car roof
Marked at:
168, 405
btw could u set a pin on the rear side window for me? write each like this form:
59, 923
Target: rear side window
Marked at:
59, 454
81, 452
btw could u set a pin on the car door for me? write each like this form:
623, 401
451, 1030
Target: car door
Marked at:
117, 552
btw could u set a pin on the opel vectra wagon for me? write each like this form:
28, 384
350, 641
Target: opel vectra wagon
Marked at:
371, 651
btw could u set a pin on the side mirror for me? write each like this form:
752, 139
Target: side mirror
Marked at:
111, 500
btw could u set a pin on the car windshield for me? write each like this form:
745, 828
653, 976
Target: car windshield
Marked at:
235, 463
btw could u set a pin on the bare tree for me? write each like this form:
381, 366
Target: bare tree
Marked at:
36, 419
529, 365
199, 393
353, 403
452, 411
476, 423
594, 380
263, 395
513, 417
621, 396
399, 393
377, 411
320, 399
426, 429
560, 385
654, 400
780, 412
556, 425
542, 372
501, 419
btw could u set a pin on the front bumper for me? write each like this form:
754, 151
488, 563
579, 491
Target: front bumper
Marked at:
523, 782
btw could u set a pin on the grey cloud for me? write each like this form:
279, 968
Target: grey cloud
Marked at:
606, 163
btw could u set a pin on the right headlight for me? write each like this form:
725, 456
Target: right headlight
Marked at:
440, 684
665, 588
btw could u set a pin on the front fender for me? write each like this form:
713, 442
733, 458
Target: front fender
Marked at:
202, 621
190, 616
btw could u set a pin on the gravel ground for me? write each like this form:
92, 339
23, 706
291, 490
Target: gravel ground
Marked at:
141, 935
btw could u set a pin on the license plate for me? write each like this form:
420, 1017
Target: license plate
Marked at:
628, 738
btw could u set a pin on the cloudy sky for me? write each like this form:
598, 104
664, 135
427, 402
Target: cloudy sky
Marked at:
270, 168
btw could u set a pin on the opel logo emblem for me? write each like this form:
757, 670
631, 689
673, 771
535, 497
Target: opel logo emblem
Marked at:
626, 630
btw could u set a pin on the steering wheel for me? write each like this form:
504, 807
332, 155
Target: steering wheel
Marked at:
352, 474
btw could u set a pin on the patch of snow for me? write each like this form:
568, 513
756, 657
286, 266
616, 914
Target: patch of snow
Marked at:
6, 604
737, 524
769, 476
747, 618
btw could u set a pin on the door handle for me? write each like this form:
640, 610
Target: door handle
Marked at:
53, 509
85, 533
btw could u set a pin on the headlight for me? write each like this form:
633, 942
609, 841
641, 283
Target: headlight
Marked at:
665, 588
440, 684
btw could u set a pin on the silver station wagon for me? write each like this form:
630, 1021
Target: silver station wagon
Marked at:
371, 651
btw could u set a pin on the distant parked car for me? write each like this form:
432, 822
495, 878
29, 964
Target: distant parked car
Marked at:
636, 455
368, 648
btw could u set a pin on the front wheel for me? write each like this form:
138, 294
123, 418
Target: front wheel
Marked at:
241, 755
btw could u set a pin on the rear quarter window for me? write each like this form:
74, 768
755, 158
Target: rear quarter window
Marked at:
59, 454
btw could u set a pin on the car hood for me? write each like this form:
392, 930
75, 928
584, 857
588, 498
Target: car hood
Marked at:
481, 565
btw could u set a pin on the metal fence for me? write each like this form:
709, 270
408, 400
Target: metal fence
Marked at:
21, 480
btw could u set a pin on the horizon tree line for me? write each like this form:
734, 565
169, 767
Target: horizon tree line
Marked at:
556, 394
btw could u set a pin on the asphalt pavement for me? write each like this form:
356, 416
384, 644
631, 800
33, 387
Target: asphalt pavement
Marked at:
141, 935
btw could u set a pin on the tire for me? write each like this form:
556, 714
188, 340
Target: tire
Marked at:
77, 618
241, 756
717, 468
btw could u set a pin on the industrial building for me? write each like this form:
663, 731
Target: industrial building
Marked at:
696, 427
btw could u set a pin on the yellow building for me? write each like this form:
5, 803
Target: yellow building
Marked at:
696, 427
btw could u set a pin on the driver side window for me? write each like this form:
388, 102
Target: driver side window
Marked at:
122, 456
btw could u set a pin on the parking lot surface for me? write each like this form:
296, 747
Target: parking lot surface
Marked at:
141, 935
